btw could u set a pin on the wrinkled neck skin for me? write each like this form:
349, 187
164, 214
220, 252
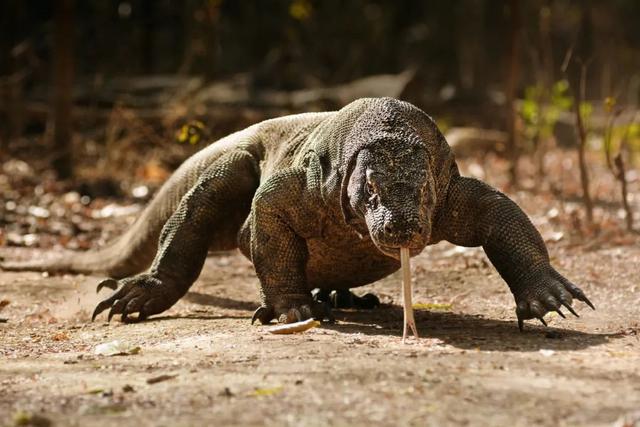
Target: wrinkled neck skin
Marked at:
391, 196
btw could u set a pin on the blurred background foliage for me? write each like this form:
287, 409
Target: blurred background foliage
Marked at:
112, 95
102, 81
292, 44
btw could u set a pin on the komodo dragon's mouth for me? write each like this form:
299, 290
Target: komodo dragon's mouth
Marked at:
394, 251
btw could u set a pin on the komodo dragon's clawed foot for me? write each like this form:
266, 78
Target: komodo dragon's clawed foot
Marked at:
292, 309
550, 292
144, 294
344, 298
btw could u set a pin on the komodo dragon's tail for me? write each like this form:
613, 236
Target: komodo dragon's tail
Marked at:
133, 251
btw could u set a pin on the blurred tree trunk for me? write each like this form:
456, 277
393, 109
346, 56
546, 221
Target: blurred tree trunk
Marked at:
580, 96
10, 12
545, 79
201, 35
188, 35
210, 39
148, 36
470, 45
63, 85
513, 76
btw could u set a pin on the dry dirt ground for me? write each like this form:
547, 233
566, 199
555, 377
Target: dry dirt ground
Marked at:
202, 363
470, 367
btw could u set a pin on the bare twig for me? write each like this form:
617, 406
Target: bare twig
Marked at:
621, 176
578, 96
567, 60
612, 115
617, 166
582, 143
608, 135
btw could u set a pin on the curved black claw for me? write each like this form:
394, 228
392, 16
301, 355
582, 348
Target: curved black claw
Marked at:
107, 283
585, 300
116, 308
541, 319
264, 314
561, 314
575, 291
571, 310
102, 306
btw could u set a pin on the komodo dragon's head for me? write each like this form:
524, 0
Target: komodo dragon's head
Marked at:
388, 184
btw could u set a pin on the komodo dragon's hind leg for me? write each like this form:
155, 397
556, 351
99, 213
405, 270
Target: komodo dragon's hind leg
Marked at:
344, 298
211, 211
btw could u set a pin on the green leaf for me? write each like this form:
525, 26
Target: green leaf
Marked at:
432, 306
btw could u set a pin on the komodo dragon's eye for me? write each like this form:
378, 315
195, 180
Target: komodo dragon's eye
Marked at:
371, 189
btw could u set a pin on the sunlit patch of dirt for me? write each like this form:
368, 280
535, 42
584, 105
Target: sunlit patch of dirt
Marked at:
202, 361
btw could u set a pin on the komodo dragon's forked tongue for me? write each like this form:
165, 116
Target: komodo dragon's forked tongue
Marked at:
409, 321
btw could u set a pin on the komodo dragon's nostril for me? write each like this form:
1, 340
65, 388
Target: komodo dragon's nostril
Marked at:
389, 228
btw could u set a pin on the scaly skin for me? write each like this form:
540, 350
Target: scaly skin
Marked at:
478, 215
323, 200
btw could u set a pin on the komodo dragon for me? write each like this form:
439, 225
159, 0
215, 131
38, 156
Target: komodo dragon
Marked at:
319, 200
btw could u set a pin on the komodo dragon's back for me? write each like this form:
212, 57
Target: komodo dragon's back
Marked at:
134, 250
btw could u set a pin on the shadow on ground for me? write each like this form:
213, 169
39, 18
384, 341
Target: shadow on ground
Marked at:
212, 300
472, 332
464, 331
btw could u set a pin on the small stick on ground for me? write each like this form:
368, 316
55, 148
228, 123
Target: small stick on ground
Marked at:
293, 328
409, 321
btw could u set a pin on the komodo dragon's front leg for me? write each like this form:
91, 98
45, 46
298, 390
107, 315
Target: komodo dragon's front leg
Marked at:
204, 215
477, 215
286, 212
